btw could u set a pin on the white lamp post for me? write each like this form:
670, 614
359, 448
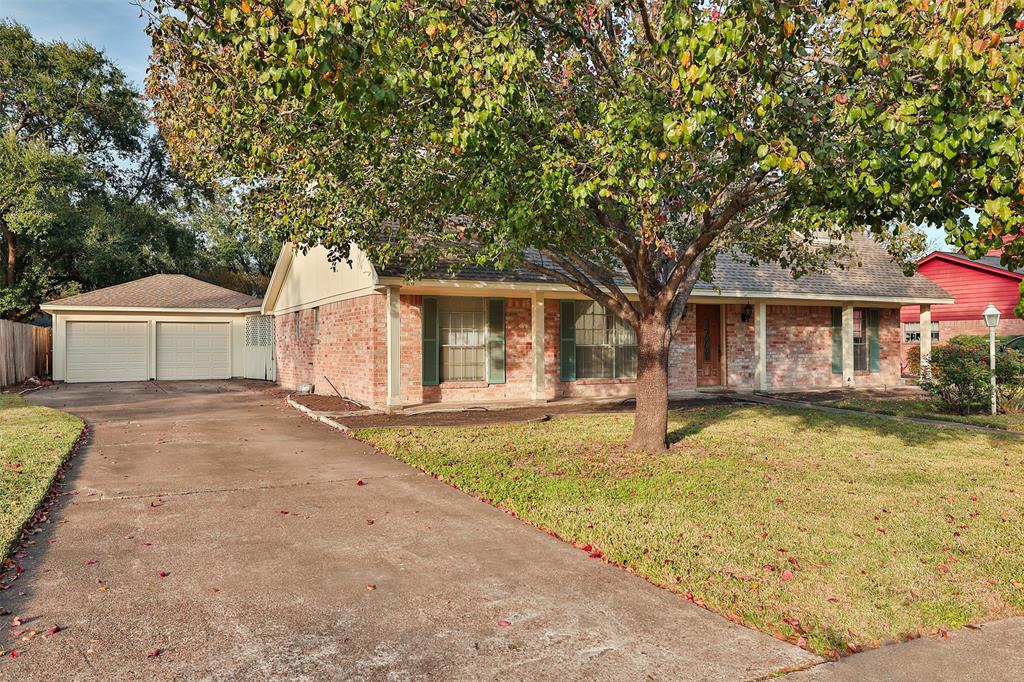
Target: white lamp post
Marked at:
991, 316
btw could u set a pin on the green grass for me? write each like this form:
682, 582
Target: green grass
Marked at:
928, 409
889, 529
33, 443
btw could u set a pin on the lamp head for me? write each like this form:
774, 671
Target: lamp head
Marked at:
991, 316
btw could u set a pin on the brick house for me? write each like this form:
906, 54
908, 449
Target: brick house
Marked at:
488, 335
974, 284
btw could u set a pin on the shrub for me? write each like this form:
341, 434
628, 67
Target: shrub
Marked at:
913, 367
1010, 381
959, 377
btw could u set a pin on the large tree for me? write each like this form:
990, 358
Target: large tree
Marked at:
628, 141
87, 197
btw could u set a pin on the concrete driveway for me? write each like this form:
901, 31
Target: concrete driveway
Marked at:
194, 479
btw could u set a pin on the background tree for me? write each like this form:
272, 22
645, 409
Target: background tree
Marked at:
87, 196
628, 141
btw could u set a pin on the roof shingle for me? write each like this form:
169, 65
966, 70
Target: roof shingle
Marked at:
162, 291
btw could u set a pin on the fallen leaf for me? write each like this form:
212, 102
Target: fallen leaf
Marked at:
54, 630
164, 574
596, 554
360, 482
787, 574
153, 653
91, 562
16, 621
504, 623
369, 522
283, 512
14, 654
370, 587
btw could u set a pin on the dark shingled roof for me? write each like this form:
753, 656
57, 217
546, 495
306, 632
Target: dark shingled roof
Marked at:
876, 277
990, 261
162, 291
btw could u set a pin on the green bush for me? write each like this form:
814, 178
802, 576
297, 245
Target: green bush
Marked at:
913, 361
1010, 382
959, 377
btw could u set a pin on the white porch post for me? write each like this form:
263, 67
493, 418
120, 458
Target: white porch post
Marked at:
848, 371
925, 321
537, 329
761, 347
394, 350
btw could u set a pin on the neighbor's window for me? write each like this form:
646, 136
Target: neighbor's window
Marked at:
463, 338
912, 332
605, 345
860, 340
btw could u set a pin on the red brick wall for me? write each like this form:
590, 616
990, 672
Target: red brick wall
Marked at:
800, 349
350, 351
739, 348
518, 359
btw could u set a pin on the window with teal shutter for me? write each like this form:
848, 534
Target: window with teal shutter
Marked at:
496, 341
567, 347
837, 340
431, 353
874, 345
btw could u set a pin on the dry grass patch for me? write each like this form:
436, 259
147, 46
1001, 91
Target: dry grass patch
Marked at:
842, 531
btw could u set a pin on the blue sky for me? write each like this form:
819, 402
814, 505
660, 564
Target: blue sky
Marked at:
116, 27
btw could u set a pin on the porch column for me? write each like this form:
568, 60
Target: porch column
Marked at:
537, 329
848, 372
925, 321
761, 347
394, 350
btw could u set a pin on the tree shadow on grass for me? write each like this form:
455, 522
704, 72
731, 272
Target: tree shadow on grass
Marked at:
821, 421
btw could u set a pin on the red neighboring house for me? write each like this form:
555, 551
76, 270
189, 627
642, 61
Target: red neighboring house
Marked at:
974, 284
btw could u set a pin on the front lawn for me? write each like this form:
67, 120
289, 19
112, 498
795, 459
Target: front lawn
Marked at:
33, 443
928, 409
845, 531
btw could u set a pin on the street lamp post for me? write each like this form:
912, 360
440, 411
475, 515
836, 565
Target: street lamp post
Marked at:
991, 316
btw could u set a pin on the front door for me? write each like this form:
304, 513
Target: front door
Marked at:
709, 346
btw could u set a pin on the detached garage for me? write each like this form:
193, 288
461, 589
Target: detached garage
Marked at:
166, 327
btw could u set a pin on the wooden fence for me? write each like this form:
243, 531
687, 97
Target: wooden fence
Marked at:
24, 352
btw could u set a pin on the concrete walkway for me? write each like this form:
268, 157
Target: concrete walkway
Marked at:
270, 548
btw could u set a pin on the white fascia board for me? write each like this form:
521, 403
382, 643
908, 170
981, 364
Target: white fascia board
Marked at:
69, 309
284, 261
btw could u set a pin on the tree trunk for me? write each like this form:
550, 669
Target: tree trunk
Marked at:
12, 273
650, 424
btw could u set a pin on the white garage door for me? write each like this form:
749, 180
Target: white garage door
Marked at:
106, 351
193, 350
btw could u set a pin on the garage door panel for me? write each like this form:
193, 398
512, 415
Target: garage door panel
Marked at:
106, 351
193, 350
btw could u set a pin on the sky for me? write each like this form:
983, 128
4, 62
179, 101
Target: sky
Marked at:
117, 27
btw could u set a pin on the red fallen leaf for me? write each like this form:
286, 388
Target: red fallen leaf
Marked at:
153, 653
14, 654
943, 633
943, 568
18, 569
54, 630
801, 642
370, 587
285, 513
586, 548
1019, 25
369, 522
787, 574
360, 482
881, 530
504, 623
16, 621
596, 554
147, 544
91, 562
164, 574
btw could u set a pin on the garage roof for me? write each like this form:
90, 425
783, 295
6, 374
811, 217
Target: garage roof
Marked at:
179, 292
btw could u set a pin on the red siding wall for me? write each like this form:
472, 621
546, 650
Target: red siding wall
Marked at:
973, 289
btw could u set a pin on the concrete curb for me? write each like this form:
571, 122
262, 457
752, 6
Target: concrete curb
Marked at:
317, 416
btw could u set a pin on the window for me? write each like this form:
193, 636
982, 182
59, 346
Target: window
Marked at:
860, 340
316, 323
912, 332
463, 332
605, 345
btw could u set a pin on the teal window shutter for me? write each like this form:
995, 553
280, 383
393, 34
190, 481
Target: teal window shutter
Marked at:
837, 340
567, 348
874, 346
496, 341
431, 347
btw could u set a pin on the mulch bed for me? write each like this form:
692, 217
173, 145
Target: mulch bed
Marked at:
845, 394
327, 403
473, 417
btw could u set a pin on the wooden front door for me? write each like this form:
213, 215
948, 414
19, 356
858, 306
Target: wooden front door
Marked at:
709, 346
